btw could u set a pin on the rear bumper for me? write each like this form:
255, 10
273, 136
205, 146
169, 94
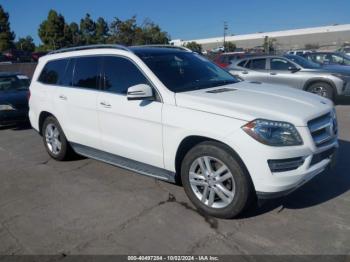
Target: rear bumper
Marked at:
9, 117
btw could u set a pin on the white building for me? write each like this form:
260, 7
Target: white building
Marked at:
332, 36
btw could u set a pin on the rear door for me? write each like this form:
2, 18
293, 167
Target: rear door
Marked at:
75, 100
254, 70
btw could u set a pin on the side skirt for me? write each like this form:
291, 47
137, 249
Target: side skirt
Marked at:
119, 161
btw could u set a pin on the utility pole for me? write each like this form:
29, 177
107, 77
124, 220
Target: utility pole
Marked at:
225, 29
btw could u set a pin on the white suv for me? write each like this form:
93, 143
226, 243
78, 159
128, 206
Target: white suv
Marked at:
169, 113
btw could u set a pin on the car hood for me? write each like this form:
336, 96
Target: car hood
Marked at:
337, 69
248, 101
16, 98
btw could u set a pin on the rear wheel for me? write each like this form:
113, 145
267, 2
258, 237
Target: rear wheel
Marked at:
54, 139
215, 181
322, 89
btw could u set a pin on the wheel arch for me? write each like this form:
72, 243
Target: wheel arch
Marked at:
189, 142
43, 115
312, 81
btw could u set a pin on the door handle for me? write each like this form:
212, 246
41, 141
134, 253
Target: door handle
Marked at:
245, 72
105, 104
273, 74
63, 97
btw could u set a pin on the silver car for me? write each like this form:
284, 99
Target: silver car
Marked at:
293, 71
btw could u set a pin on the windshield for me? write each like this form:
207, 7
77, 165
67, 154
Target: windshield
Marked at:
303, 62
10, 83
183, 71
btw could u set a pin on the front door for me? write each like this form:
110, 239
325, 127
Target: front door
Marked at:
131, 129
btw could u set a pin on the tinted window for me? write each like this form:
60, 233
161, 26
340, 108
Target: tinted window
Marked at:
87, 72
120, 74
241, 64
257, 64
9, 83
280, 64
185, 71
53, 72
68, 75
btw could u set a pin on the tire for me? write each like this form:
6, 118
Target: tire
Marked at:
55, 141
237, 189
322, 89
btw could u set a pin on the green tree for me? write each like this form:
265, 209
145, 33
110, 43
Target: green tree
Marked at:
229, 47
128, 32
88, 30
150, 33
25, 44
194, 46
269, 44
53, 31
102, 31
312, 46
75, 37
6, 35
123, 32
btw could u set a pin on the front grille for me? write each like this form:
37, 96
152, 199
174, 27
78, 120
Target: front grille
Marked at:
324, 129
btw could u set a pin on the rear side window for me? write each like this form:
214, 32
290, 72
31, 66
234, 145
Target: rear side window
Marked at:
87, 72
257, 64
53, 72
120, 74
241, 64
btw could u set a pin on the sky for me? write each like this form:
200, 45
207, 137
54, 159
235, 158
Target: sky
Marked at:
185, 19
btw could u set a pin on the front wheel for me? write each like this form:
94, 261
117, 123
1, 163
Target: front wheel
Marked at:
322, 89
215, 181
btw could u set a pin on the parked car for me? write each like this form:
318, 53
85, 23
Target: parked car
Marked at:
293, 71
218, 49
345, 50
299, 52
14, 55
224, 59
37, 55
14, 90
171, 114
329, 58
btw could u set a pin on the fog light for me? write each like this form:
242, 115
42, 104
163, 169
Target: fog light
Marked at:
283, 165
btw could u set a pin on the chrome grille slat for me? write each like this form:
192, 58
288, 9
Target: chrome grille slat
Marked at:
323, 129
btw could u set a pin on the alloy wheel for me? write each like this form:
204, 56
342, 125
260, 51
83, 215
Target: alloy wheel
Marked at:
212, 182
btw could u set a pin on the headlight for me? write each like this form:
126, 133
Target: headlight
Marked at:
6, 107
273, 133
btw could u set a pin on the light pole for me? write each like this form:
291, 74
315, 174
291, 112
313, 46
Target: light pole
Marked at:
225, 29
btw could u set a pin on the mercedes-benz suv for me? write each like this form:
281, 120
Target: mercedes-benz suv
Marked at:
169, 113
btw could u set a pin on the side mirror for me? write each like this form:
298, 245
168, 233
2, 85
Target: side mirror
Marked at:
293, 69
140, 92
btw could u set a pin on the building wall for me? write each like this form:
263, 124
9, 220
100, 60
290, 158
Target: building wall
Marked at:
335, 39
334, 35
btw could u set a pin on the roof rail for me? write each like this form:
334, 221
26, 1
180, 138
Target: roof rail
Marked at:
87, 47
167, 46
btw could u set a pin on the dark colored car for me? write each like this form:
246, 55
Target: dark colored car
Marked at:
224, 60
329, 58
15, 55
14, 93
37, 55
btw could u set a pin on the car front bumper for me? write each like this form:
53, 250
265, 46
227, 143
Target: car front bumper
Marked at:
269, 184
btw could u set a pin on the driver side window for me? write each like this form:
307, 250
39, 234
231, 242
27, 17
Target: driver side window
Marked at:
120, 74
280, 64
